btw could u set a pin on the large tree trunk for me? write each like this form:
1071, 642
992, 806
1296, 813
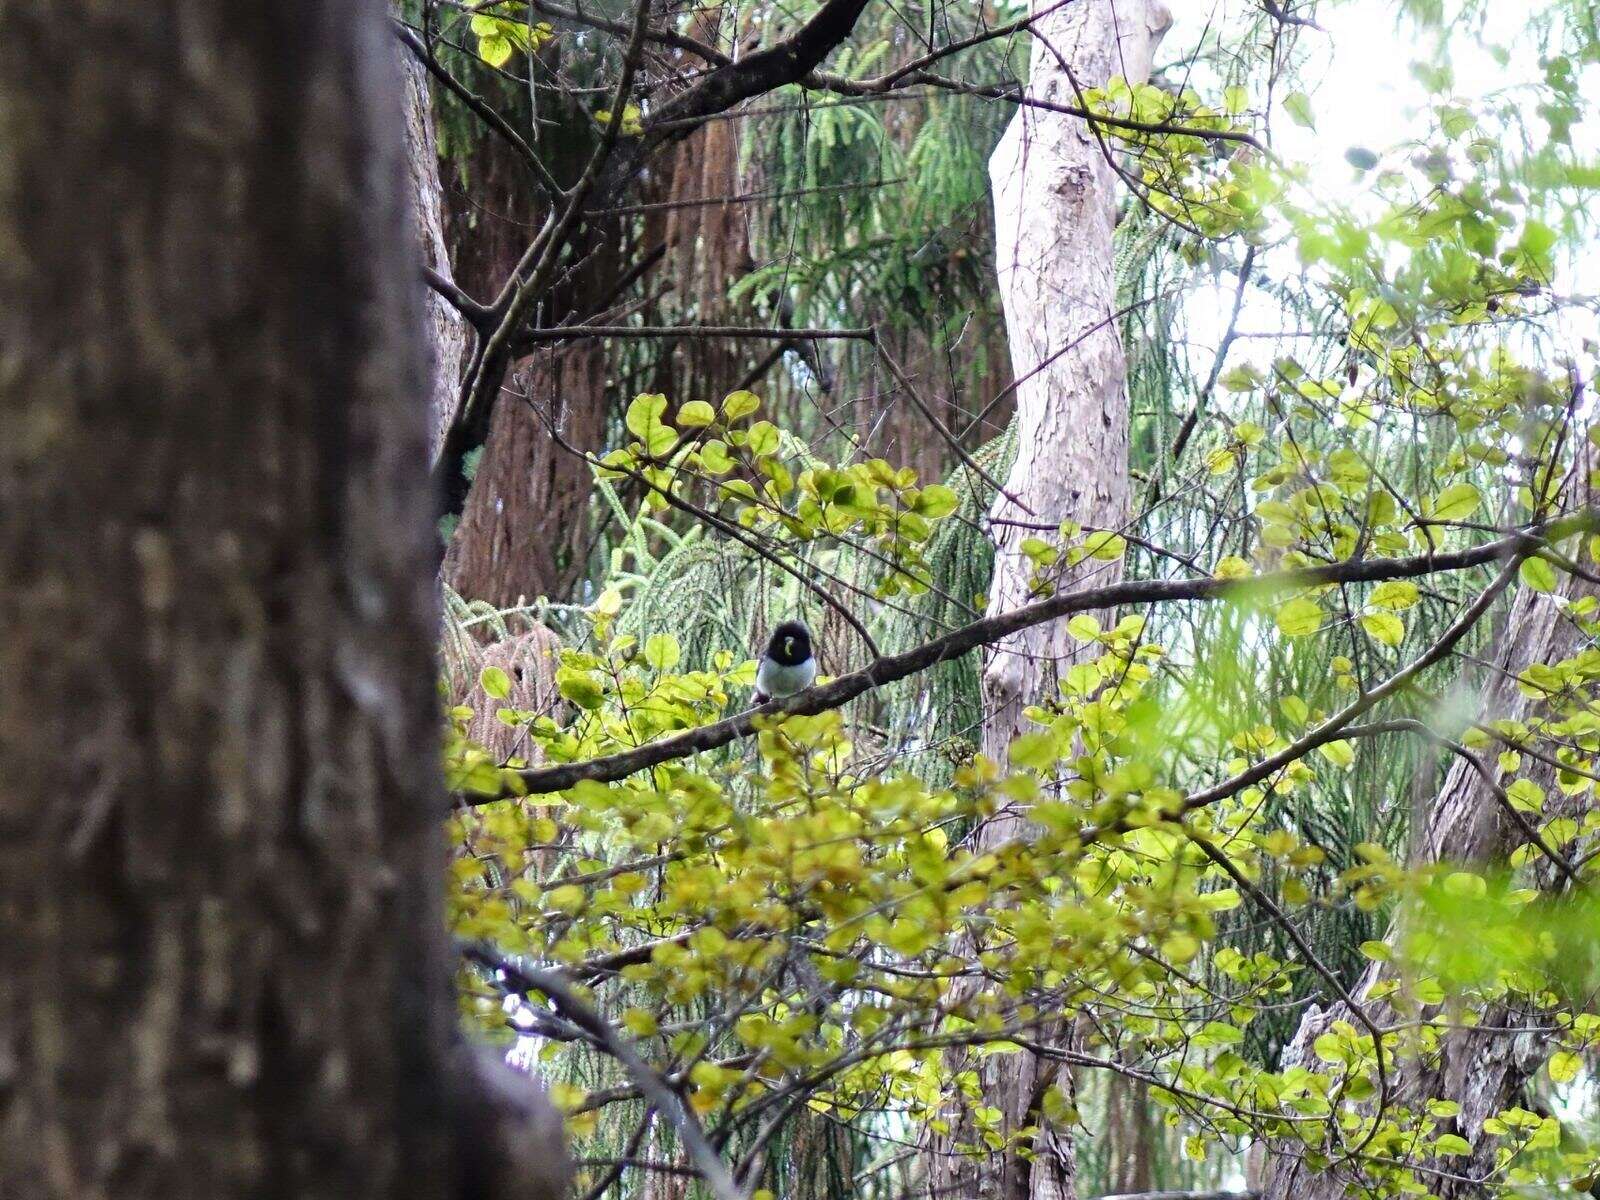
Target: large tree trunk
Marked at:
1055, 199
525, 523
223, 971
1481, 1070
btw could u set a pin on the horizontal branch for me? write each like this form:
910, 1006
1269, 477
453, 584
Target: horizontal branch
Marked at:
632, 210
884, 671
763, 71
557, 333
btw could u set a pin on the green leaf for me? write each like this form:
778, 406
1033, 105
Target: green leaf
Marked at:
1036, 751
1526, 795
1340, 753
763, 438
495, 683
495, 50
696, 414
1083, 628
936, 501
1105, 546
1394, 594
1361, 158
1452, 1143
661, 651
1457, 502
1384, 627
715, 458
644, 415
1298, 106
580, 689
1331, 1048
1300, 617
739, 404
1537, 574
1563, 1066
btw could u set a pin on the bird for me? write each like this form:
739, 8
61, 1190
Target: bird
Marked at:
787, 668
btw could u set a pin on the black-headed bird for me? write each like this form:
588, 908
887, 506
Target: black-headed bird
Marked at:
788, 667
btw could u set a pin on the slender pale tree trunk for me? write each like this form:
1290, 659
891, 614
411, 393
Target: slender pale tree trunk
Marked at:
1055, 200
1481, 1070
222, 964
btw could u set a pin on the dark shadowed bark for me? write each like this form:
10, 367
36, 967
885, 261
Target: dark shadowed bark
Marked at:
222, 971
525, 527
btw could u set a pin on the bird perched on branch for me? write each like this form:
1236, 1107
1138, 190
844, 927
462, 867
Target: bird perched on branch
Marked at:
787, 668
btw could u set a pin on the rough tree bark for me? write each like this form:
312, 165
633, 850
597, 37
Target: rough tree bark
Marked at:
1480, 1070
525, 526
448, 333
222, 966
1055, 201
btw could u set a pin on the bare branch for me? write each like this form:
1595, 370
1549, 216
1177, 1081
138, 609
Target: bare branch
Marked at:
651, 1086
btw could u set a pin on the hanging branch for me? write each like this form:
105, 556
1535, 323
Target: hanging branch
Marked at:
651, 1086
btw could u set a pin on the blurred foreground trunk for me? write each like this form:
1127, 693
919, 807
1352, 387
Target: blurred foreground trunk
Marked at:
223, 971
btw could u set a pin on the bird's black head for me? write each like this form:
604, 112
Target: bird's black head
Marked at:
790, 644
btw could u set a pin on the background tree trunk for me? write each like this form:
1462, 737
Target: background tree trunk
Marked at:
1481, 1071
525, 529
448, 333
223, 971
1055, 200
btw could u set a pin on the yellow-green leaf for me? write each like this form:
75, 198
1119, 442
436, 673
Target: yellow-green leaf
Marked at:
1537, 574
1083, 628
739, 404
1034, 750
1394, 594
1384, 627
1300, 617
1106, 546
1564, 1066
696, 414
495, 683
661, 651
1457, 502
644, 414
936, 501
763, 438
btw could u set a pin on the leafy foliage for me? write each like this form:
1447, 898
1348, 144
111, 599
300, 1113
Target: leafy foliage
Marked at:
800, 934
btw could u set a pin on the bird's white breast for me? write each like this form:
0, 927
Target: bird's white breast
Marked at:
774, 679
